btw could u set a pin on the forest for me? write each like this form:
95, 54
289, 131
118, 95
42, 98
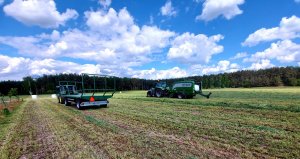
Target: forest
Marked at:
272, 77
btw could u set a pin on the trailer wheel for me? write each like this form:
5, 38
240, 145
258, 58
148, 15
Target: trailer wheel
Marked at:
78, 104
180, 96
67, 103
158, 93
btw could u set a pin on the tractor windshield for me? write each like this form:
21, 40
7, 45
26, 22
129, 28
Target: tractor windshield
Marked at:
161, 84
72, 89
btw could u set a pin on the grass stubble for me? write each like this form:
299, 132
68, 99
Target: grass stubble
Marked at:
233, 123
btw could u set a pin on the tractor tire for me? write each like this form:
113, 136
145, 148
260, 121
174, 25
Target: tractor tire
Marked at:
67, 103
158, 93
62, 100
78, 105
149, 94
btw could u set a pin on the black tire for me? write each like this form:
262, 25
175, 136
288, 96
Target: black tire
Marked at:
67, 103
62, 100
78, 105
189, 96
158, 93
149, 94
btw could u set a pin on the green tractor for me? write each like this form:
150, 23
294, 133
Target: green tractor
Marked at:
180, 89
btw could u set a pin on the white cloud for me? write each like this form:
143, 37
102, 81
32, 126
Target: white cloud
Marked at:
110, 22
168, 9
239, 56
114, 44
190, 48
284, 51
55, 35
288, 29
43, 45
26, 45
38, 12
262, 64
120, 32
215, 8
112, 38
105, 3
15, 68
221, 67
116, 50
174, 72
151, 20
198, 1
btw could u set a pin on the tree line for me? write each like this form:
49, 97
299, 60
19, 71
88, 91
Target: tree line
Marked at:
46, 84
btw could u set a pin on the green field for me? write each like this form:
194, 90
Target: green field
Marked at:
233, 123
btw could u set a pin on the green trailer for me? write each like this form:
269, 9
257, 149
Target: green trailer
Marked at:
89, 94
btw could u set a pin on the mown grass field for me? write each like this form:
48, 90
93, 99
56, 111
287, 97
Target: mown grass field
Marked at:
233, 123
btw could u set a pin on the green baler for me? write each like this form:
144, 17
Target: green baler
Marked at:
180, 89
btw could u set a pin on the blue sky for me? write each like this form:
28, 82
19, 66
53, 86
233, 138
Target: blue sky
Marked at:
146, 39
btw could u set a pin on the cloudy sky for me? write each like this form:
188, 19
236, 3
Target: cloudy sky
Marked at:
146, 38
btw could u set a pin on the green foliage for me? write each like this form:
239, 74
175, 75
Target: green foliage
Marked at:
50, 92
27, 83
12, 92
6, 111
292, 81
298, 82
279, 76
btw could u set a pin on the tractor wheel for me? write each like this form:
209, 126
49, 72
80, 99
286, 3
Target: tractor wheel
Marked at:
67, 103
149, 94
62, 100
78, 104
158, 93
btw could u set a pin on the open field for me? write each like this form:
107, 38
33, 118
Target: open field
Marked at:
233, 123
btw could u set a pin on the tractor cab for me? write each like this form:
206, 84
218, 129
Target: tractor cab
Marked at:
66, 89
162, 84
